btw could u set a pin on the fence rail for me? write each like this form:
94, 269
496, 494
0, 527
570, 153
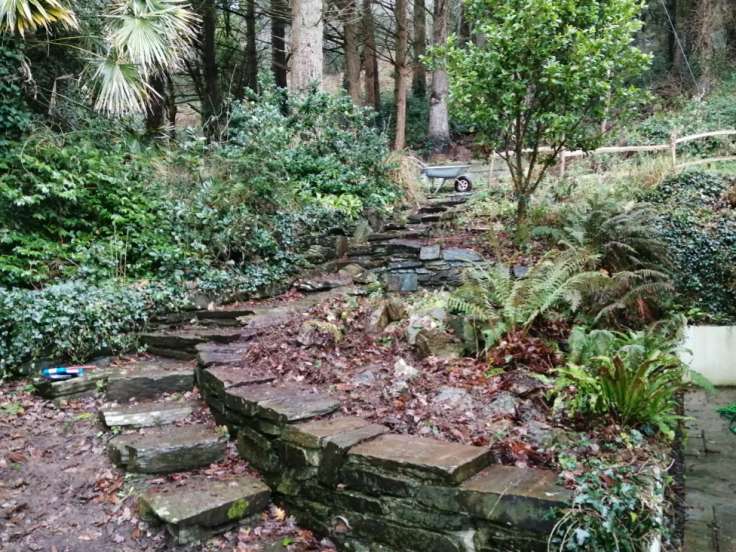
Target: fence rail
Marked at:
671, 147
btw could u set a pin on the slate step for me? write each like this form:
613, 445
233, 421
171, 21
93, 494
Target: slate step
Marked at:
168, 450
74, 387
149, 379
280, 404
200, 507
182, 343
146, 414
209, 354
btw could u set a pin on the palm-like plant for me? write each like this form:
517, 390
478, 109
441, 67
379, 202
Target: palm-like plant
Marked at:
27, 16
143, 38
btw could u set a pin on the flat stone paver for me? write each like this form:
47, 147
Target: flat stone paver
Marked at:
348, 430
220, 378
149, 379
710, 473
424, 458
146, 414
201, 503
281, 404
168, 450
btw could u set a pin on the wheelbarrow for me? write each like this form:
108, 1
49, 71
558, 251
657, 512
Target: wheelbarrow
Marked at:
443, 173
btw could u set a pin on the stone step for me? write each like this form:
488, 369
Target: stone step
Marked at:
209, 354
146, 414
168, 450
223, 317
279, 404
149, 379
420, 458
199, 507
182, 343
73, 387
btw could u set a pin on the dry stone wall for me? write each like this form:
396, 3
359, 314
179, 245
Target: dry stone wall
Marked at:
369, 489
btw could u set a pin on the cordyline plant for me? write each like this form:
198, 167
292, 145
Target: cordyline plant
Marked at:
544, 73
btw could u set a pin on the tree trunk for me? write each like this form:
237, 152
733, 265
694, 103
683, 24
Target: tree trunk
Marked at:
439, 123
171, 108
278, 42
155, 108
251, 53
402, 73
305, 62
212, 100
350, 17
370, 59
419, 85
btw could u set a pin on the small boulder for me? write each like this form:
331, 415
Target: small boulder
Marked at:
438, 344
404, 371
403, 282
503, 405
396, 310
429, 253
378, 319
318, 332
454, 398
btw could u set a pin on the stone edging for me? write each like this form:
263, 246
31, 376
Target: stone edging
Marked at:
369, 489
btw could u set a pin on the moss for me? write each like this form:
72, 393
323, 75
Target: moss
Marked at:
237, 509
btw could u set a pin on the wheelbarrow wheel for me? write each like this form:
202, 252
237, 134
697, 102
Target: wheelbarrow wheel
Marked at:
463, 184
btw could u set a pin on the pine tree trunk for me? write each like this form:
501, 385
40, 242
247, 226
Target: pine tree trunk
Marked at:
251, 52
439, 123
278, 41
419, 85
402, 73
305, 62
350, 17
370, 58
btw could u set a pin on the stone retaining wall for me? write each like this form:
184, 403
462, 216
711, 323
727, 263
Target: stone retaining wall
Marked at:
368, 489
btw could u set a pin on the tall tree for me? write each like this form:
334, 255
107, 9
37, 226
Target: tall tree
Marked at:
419, 85
251, 52
402, 72
212, 95
351, 18
439, 121
306, 59
370, 58
278, 41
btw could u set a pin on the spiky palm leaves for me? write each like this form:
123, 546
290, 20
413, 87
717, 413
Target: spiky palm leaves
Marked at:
27, 16
142, 38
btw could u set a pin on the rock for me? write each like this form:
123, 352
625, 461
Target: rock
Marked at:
378, 319
219, 378
396, 310
187, 339
362, 231
170, 450
467, 330
454, 398
461, 255
522, 384
429, 253
503, 405
404, 282
146, 414
147, 381
519, 271
193, 508
404, 371
432, 320
280, 404
428, 460
405, 246
366, 377
209, 354
438, 344
73, 387
318, 332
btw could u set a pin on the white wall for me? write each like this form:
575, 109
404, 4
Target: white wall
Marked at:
711, 350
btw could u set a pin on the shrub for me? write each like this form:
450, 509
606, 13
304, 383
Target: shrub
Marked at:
698, 225
634, 377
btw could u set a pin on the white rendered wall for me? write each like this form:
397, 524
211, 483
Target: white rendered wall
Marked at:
711, 350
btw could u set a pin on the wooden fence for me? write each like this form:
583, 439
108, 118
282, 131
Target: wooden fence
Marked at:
564, 155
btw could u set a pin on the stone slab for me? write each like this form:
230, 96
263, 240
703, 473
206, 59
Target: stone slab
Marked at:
426, 459
204, 503
461, 255
149, 380
168, 450
404, 282
220, 378
343, 429
281, 404
430, 253
188, 338
146, 414
209, 354
73, 386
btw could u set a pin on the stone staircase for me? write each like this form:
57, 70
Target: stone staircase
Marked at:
341, 476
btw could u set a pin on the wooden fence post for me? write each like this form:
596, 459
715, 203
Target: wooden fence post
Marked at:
673, 149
